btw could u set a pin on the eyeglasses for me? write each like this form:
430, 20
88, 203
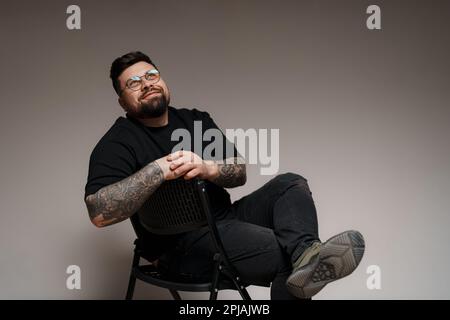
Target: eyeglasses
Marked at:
135, 82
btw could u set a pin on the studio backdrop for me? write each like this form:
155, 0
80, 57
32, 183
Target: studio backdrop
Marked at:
359, 91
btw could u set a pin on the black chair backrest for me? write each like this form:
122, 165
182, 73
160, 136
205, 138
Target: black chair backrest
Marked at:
176, 206
179, 206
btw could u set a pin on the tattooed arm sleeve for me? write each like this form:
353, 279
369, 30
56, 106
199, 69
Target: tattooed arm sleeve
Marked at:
119, 201
232, 173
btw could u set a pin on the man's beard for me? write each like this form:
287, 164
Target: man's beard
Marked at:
152, 108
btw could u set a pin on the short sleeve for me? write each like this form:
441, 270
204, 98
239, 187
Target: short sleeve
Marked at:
110, 162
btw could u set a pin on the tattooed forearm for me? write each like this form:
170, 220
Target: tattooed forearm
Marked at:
231, 173
120, 200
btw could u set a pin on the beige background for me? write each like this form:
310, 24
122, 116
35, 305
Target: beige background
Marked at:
364, 115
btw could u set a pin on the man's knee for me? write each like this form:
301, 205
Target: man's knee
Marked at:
290, 176
283, 182
287, 180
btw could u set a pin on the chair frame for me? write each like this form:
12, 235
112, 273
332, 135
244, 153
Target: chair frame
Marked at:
224, 275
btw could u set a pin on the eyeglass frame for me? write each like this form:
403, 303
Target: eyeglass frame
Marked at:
135, 78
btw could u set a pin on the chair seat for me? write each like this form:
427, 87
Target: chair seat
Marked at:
151, 274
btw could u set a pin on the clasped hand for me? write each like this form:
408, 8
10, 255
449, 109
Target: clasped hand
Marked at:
187, 164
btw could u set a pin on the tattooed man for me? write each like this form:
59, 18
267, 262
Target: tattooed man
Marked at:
270, 235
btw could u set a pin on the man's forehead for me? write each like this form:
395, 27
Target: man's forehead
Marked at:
137, 69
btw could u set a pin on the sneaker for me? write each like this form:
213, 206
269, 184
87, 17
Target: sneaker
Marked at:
322, 263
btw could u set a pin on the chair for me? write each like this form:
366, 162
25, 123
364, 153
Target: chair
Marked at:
179, 206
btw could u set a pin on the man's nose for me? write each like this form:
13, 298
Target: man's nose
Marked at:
146, 85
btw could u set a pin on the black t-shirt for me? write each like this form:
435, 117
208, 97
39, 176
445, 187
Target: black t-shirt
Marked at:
129, 145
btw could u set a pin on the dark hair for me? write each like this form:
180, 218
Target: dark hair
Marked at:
124, 62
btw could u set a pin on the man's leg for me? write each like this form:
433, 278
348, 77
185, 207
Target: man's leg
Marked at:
284, 204
253, 250
264, 235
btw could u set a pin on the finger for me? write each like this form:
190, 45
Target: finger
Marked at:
189, 158
181, 170
175, 155
192, 174
176, 163
189, 155
180, 161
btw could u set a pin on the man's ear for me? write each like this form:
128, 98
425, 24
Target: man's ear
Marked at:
122, 104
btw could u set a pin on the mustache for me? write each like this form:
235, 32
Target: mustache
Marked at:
153, 90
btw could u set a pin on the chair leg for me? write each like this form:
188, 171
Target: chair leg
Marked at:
239, 286
213, 294
131, 284
215, 279
132, 281
175, 294
244, 293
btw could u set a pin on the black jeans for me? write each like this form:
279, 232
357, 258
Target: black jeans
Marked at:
262, 233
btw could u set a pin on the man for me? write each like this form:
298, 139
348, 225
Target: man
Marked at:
270, 235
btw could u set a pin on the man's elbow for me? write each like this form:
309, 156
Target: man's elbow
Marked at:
243, 178
98, 222
96, 219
